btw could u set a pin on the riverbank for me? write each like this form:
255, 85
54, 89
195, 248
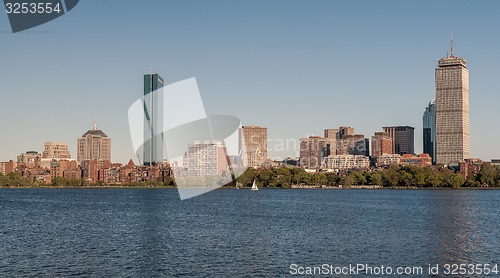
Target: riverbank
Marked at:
363, 187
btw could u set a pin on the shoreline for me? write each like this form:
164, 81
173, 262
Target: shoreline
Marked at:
361, 187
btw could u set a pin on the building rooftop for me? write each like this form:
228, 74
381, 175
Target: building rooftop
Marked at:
451, 61
399, 126
99, 133
95, 132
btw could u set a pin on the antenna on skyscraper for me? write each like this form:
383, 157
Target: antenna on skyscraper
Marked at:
150, 71
451, 45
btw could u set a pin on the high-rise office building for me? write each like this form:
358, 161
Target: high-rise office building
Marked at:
332, 133
403, 139
381, 144
344, 131
344, 141
153, 120
452, 110
429, 137
353, 144
94, 145
255, 140
56, 150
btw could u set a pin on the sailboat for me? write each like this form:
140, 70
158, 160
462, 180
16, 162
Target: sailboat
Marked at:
254, 186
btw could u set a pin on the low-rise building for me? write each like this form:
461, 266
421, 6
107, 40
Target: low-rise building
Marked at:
385, 160
7, 167
90, 169
56, 150
422, 160
347, 162
207, 158
59, 167
470, 166
29, 159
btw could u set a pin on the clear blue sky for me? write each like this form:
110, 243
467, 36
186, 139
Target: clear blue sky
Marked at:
295, 67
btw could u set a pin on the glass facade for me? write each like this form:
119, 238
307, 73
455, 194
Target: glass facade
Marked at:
153, 119
429, 122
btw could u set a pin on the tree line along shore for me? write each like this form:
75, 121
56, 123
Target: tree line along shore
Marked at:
291, 177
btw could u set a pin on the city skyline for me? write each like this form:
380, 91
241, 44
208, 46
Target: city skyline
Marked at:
296, 65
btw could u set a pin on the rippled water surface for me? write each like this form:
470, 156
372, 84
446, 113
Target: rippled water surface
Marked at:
233, 233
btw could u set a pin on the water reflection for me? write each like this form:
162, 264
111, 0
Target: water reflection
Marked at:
452, 223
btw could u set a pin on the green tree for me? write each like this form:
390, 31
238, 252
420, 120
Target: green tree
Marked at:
168, 181
300, 176
487, 174
392, 175
60, 181
471, 181
456, 180
297, 175
497, 169
264, 177
319, 179
446, 177
418, 175
433, 178
347, 181
405, 178
332, 179
74, 182
375, 178
3, 181
282, 177
358, 178
247, 178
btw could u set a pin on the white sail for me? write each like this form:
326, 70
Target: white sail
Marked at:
254, 186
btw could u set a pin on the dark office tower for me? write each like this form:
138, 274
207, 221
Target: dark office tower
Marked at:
153, 120
452, 110
429, 121
403, 139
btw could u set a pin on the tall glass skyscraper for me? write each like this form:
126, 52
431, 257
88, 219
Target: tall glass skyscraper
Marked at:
452, 110
429, 121
153, 120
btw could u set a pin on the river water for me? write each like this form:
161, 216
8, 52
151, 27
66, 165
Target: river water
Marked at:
235, 233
